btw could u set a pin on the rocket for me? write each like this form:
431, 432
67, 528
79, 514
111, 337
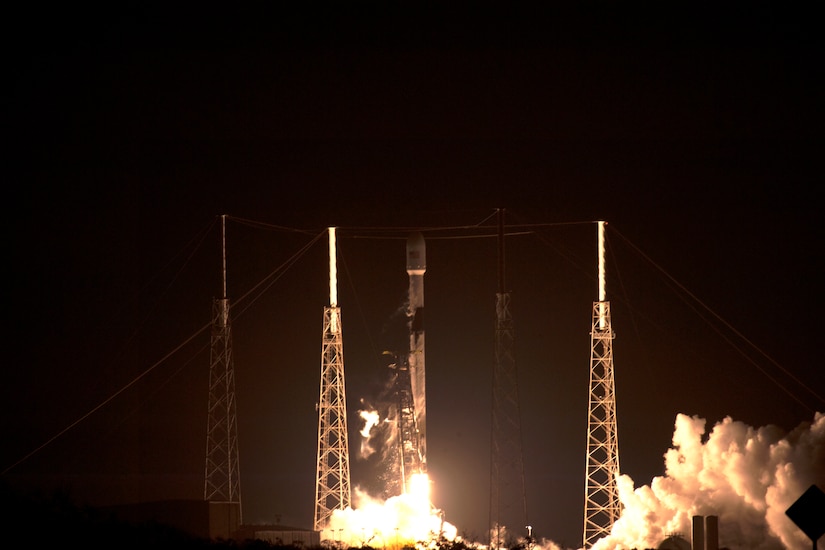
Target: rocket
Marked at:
416, 254
416, 267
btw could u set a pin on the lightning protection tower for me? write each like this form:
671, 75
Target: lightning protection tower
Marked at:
222, 487
508, 500
601, 498
332, 486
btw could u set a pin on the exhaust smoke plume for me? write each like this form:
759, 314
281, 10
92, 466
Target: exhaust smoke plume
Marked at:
746, 476
371, 418
400, 520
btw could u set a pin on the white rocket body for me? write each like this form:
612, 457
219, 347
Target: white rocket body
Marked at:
416, 267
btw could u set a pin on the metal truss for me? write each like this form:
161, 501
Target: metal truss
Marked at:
222, 479
332, 487
601, 501
508, 499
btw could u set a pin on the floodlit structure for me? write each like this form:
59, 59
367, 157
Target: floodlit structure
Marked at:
332, 485
222, 487
601, 495
508, 499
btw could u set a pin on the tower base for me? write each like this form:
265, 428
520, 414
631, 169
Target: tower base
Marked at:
224, 519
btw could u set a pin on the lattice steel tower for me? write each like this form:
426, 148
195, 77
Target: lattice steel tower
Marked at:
601, 495
222, 487
508, 499
332, 485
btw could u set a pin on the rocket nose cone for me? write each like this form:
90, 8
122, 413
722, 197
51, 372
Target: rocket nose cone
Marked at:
416, 253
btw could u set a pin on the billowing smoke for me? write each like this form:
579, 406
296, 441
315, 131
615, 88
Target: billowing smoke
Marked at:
747, 477
379, 443
398, 521
371, 419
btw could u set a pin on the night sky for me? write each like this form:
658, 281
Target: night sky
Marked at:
698, 137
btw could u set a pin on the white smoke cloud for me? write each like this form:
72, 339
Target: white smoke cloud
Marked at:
371, 419
544, 544
746, 476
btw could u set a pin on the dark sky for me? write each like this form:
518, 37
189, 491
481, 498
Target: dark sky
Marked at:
697, 136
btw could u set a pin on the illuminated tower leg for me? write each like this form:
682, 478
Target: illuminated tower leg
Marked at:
332, 487
222, 488
601, 500
508, 500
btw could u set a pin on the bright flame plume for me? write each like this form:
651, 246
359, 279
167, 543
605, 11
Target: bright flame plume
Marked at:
404, 520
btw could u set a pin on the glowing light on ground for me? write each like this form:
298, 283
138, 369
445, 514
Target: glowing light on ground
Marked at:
403, 520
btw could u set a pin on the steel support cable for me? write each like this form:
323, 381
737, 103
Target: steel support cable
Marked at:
587, 271
273, 277
194, 244
263, 225
442, 238
280, 269
359, 307
732, 329
110, 398
198, 241
393, 232
401, 232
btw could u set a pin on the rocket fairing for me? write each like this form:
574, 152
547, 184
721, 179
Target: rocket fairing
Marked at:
416, 254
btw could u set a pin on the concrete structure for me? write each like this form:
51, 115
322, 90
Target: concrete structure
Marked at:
674, 542
705, 533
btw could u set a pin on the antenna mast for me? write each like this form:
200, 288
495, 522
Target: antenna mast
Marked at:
222, 487
508, 500
332, 486
601, 495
